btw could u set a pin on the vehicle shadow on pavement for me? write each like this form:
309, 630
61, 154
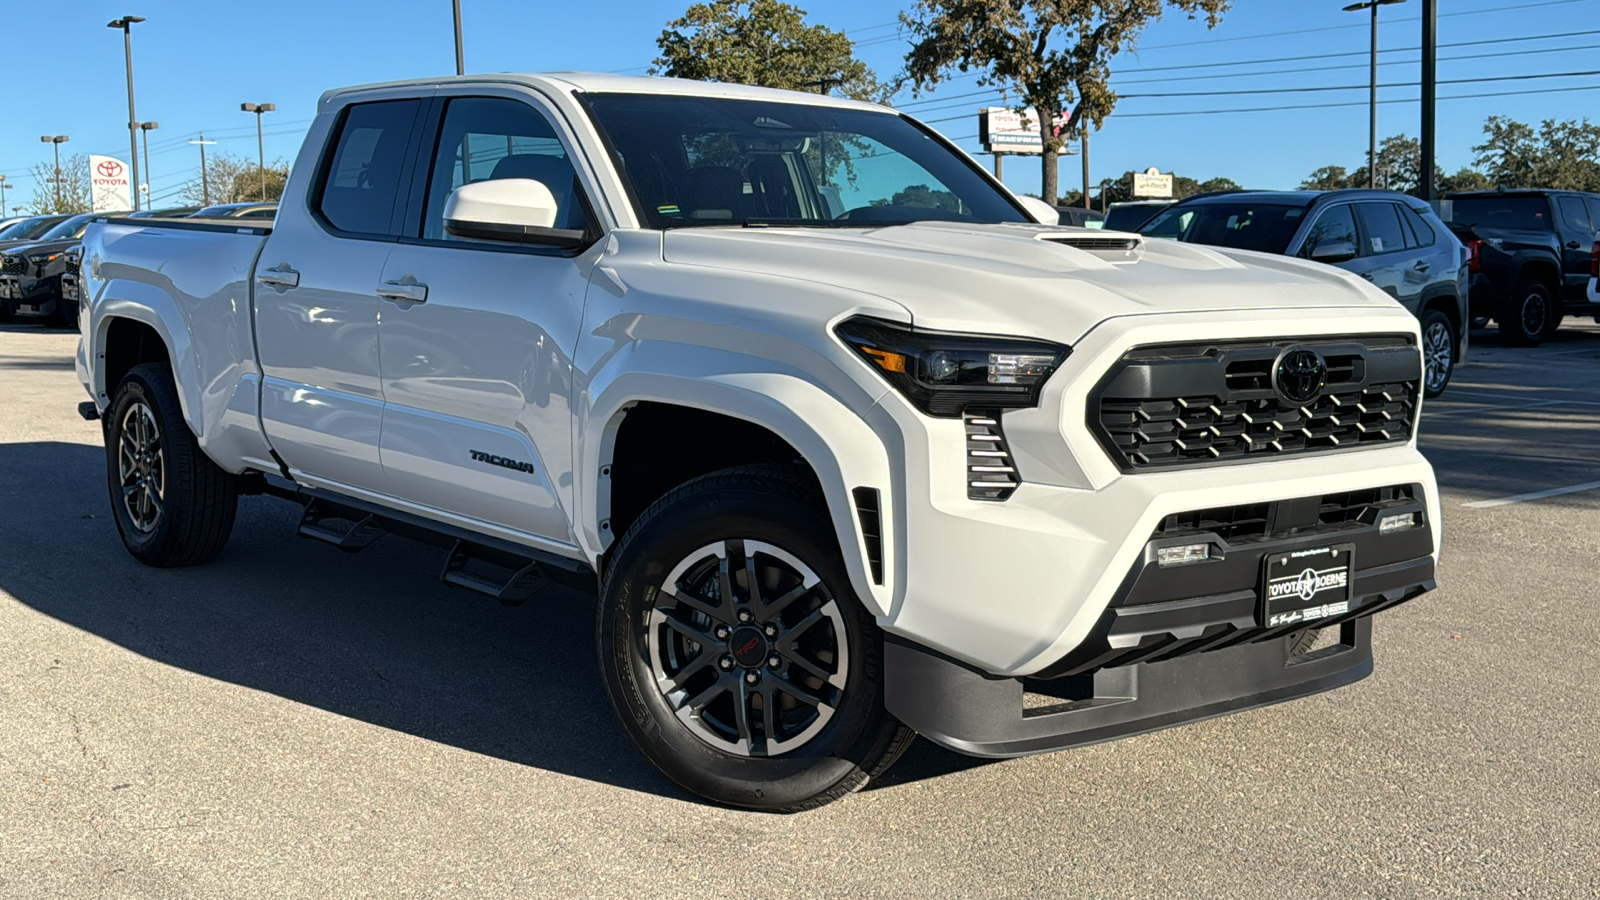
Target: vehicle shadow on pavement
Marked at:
374, 636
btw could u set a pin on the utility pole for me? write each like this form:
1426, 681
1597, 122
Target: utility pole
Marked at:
1086, 203
997, 158
126, 23
3, 188
1372, 132
57, 140
205, 183
461, 65
261, 155
144, 130
1430, 58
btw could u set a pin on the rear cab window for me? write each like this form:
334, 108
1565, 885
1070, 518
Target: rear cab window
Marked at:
361, 177
1512, 212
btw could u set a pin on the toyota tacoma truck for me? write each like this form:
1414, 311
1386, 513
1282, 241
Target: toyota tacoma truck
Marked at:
849, 445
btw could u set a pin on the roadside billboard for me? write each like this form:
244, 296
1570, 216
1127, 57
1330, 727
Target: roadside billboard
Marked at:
1151, 183
109, 189
1004, 130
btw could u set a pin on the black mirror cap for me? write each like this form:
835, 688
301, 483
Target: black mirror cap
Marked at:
565, 238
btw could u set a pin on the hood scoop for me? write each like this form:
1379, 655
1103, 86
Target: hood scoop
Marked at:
1115, 246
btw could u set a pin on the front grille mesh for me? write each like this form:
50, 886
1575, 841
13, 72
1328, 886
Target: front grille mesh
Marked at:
1208, 404
12, 265
1256, 522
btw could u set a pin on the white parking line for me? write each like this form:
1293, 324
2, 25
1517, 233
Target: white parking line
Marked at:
1536, 495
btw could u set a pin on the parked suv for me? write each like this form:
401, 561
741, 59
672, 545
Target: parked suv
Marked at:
31, 274
1390, 239
1532, 255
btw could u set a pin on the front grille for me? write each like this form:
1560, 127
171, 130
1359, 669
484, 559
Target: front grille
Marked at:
990, 473
1233, 524
12, 265
1362, 507
1215, 403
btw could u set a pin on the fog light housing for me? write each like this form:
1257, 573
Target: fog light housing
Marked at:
1186, 554
1397, 522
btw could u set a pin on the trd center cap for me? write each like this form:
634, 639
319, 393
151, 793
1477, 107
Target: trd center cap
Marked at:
749, 646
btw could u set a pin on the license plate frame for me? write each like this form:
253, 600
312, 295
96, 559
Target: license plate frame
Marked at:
1303, 587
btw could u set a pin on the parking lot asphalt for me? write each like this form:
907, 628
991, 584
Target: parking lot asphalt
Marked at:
290, 721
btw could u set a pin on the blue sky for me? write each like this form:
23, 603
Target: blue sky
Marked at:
197, 60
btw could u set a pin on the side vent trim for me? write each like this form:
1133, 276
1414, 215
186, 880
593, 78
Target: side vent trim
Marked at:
870, 518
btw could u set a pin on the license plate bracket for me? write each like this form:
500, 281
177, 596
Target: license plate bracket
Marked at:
1305, 586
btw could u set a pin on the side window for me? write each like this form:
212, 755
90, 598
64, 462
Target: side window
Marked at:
1382, 224
1594, 212
487, 138
1574, 216
1426, 237
362, 178
1335, 225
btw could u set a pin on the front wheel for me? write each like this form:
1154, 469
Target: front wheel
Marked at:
1438, 352
737, 656
1528, 316
172, 504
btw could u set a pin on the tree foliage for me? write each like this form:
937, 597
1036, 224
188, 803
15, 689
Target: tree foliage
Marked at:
74, 194
1053, 55
1120, 190
1564, 155
235, 179
762, 42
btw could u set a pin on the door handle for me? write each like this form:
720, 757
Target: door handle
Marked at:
403, 291
1421, 266
279, 276
1574, 245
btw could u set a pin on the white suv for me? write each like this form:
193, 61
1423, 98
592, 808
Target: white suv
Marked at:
848, 443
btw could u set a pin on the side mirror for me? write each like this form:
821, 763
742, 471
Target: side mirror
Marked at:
1334, 252
518, 210
1042, 212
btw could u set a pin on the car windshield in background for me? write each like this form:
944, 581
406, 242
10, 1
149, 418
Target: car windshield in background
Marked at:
71, 228
28, 229
1266, 227
705, 161
1129, 218
1515, 213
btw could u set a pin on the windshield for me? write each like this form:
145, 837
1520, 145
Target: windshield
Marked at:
704, 161
1266, 227
1524, 213
28, 229
1129, 218
71, 228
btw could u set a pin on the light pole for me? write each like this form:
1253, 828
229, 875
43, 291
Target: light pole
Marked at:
3, 188
261, 155
126, 23
57, 140
144, 130
205, 183
1430, 57
1372, 132
461, 65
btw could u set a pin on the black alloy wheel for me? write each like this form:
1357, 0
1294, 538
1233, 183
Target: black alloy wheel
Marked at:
1529, 315
734, 650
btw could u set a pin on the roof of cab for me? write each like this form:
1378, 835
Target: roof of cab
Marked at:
605, 82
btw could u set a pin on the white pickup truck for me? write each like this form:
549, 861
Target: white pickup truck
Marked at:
851, 442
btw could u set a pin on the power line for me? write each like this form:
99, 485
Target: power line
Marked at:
1254, 37
1354, 87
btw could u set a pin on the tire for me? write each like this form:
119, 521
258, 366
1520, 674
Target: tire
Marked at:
1439, 352
769, 519
173, 505
5, 311
64, 315
1528, 316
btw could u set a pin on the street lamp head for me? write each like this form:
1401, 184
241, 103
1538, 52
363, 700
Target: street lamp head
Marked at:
124, 22
58, 139
257, 107
149, 126
1370, 4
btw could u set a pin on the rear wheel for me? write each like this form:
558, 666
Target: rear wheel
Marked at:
1528, 316
738, 659
1438, 352
172, 504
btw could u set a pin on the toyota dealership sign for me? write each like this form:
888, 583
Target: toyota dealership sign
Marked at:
109, 186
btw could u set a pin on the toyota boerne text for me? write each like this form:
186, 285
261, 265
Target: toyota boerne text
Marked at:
851, 442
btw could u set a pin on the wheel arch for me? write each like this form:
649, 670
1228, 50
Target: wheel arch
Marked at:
128, 333
776, 413
1544, 270
1446, 301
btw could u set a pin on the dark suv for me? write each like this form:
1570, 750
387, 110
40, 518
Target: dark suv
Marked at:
31, 273
1392, 240
1533, 254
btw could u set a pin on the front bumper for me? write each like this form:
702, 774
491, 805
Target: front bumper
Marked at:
28, 296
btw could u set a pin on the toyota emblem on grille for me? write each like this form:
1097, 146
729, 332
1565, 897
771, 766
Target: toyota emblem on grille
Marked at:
1301, 375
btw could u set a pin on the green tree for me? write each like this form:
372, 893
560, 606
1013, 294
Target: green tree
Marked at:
235, 179
922, 196
1120, 190
73, 196
1465, 179
1558, 154
762, 42
1219, 184
1053, 55
1327, 178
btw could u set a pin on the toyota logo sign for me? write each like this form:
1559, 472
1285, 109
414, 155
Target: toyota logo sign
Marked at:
109, 168
1301, 375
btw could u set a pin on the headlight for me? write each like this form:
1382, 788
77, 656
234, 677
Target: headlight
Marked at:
44, 259
943, 373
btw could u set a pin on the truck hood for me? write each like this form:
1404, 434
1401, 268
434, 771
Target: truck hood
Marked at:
1029, 280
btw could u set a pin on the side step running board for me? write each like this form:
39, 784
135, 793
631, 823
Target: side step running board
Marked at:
525, 577
335, 527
